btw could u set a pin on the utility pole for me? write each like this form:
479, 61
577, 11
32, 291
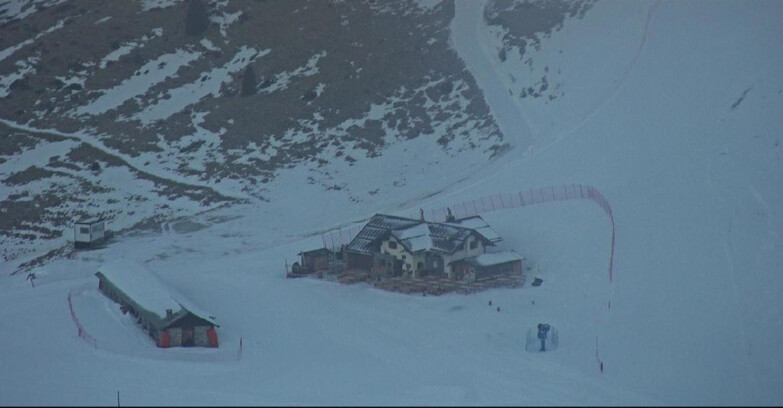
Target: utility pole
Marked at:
118, 398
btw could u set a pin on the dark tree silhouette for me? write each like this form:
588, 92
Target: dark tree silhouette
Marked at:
197, 20
249, 85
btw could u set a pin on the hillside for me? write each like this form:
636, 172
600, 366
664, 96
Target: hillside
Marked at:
93, 96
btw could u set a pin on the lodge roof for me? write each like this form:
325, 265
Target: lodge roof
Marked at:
417, 235
478, 224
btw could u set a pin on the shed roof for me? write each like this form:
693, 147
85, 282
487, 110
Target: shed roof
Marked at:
144, 288
89, 220
493, 258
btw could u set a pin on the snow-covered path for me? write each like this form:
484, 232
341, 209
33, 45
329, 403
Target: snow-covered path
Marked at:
508, 114
131, 162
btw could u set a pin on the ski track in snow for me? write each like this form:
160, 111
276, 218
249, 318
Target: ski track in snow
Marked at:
508, 111
126, 159
599, 105
727, 251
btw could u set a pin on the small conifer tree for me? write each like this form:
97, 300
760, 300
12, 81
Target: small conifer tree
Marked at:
249, 85
197, 20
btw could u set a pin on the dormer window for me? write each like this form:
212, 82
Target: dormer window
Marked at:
392, 245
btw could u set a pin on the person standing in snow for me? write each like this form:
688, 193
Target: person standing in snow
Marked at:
543, 328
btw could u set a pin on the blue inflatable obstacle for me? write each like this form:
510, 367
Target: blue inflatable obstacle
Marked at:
543, 338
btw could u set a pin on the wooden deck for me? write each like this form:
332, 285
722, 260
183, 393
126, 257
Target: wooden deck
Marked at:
428, 285
438, 286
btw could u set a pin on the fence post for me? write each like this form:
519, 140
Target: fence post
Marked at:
502, 204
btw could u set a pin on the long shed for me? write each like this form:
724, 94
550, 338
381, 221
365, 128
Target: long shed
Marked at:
169, 318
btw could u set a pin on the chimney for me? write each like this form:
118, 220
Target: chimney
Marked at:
450, 217
169, 313
421, 214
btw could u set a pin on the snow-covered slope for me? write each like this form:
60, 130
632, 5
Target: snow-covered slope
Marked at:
218, 116
677, 124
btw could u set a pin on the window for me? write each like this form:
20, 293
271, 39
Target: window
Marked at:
473, 244
420, 265
84, 230
392, 245
404, 257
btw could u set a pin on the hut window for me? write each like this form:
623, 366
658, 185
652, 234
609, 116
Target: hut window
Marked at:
420, 265
84, 230
473, 244
404, 257
392, 245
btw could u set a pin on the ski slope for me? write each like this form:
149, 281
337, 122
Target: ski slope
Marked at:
686, 146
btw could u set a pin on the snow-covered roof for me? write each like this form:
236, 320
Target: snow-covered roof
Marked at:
418, 244
412, 232
493, 258
365, 241
479, 225
144, 288
417, 235
89, 221
416, 238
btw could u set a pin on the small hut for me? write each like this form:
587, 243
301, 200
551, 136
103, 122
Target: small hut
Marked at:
89, 233
169, 318
315, 260
487, 266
